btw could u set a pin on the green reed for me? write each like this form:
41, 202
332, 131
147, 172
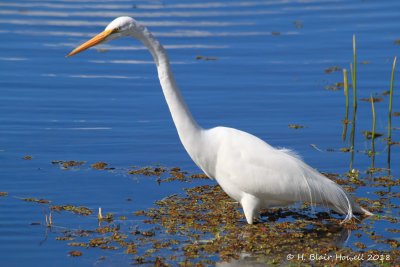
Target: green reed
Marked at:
353, 69
391, 101
372, 152
389, 138
346, 94
354, 73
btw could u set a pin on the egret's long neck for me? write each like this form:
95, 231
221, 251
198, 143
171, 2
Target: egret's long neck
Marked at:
186, 126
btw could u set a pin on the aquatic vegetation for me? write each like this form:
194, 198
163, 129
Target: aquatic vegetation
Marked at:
391, 101
199, 176
75, 253
372, 134
346, 94
109, 217
335, 87
75, 209
40, 201
376, 98
295, 126
202, 226
353, 70
49, 220
148, 171
167, 175
332, 69
205, 58
99, 165
68, 164
99, 215
205, 225
131, 248
372, 99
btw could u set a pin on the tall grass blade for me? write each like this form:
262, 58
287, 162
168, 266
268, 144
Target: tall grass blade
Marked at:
389, 138
346, 94
354, 76
391, 101
353, 68
372, 152
353, 121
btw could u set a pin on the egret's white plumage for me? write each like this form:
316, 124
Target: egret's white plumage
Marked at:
247, 168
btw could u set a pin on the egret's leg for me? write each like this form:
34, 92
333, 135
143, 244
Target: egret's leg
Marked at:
251, 207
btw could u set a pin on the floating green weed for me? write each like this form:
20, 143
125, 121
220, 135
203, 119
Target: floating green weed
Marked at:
202, 226
67, 164
36, 200
332, 69
75, 253
334, 87
75, 209
99, 165
295, 126
374, 99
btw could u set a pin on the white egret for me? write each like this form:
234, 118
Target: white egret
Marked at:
248, 169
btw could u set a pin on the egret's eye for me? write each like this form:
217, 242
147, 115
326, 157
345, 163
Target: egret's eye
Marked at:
118, 29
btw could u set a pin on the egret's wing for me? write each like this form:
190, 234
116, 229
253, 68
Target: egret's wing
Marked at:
276, 174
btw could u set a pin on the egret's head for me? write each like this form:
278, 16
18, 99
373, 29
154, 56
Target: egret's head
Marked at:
119, 27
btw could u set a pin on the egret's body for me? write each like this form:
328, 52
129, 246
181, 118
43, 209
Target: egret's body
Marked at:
247, 168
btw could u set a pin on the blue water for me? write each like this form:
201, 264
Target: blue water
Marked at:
106, 105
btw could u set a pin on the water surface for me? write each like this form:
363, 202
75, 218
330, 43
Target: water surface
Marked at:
106, 104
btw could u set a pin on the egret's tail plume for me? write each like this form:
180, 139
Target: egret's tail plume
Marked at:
318, 189
321, 190
363, 211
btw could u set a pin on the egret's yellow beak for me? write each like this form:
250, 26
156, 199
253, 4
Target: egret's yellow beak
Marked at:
92, 42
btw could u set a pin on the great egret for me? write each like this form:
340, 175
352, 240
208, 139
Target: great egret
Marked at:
248, 169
